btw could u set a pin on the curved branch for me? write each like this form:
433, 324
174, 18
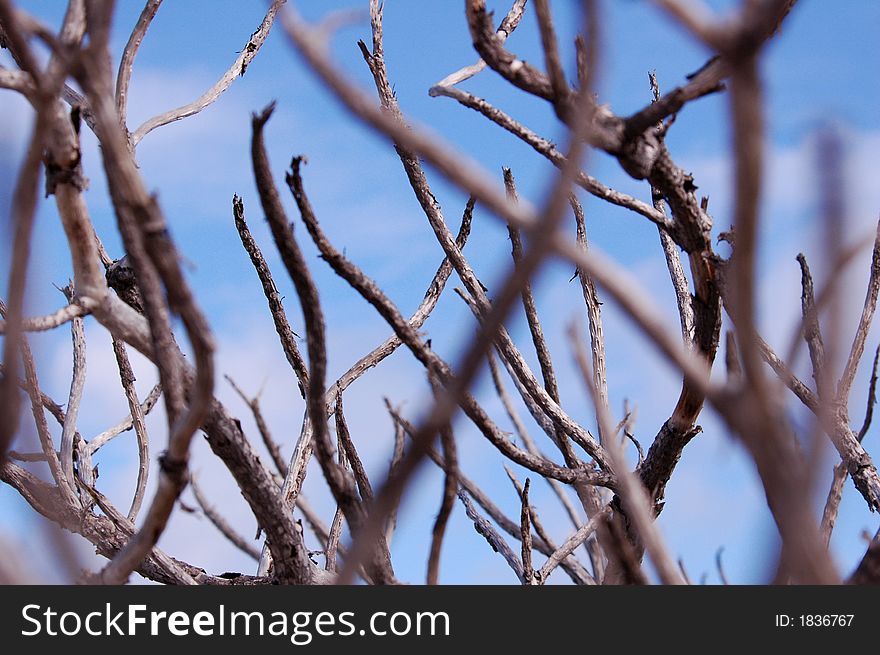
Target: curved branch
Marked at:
238, 68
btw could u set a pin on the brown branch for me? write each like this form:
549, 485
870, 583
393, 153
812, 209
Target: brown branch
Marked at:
537, 525
138, 414
797, 387
780, 468
262, 427
528, 301
671, 252
811, 331
594, 307
74, 399
519, 73
279, 317
562, 92
22, 213
526, 539
450, 487
396, 459
107, 534
223, 432
50, 321
18, 81
38, 400
559, 555
872, 398
333, 535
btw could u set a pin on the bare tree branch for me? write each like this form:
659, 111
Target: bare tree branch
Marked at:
858, 344
450, 486
262, 427
496, 541
510, 23
126, 62
285, 334
220, 523
238, 68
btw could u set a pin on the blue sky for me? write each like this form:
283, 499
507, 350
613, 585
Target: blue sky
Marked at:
823, 69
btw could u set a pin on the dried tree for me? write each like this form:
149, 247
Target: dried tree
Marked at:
612, 508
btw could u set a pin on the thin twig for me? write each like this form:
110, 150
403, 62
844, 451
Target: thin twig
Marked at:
812, 331
570, 564
262, 427
795, 384
450, 485
861, 335
528, 301
505, 29
530, 444
594, 307
22, 213
276, 308
496, 541
533, 517
720, 566
671, 251
50, 321
526, 532
126, 62
571, 544
393, 467
125, 424
138, 414
632, 494
220, 523
74, 399
872, 398
340, 481
562, 92
548, 150
37, 399
335, 532
238, 68
418, 318
835, 493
